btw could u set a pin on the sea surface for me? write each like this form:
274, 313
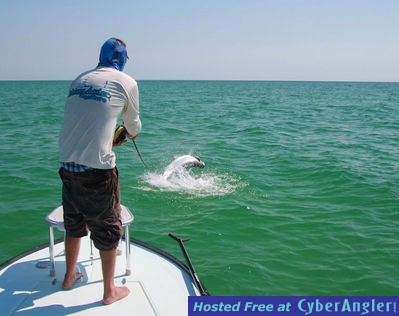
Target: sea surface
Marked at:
299, 195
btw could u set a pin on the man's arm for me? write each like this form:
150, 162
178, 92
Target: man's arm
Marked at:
131, 116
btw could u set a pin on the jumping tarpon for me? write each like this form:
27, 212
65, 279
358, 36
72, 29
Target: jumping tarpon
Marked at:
185, 161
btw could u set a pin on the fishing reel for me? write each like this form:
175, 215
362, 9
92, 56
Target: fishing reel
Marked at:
120, 134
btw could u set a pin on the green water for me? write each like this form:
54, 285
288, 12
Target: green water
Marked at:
299, 195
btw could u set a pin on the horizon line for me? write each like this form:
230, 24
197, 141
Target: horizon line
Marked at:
268, 80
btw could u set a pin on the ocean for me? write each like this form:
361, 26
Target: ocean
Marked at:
299, 194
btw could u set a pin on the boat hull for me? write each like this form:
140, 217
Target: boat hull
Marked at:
159, 283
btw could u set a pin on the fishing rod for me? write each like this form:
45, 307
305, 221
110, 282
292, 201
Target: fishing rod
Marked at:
120, 135
138, 152
194, 276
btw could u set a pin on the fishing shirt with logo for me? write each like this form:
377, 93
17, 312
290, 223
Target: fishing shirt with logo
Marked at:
97, 100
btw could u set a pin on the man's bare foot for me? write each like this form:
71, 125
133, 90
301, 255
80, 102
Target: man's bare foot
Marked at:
119, 293
69, 281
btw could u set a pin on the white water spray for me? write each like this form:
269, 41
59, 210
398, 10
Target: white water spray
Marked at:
175, 178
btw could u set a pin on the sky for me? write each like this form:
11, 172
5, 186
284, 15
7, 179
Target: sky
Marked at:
315, 40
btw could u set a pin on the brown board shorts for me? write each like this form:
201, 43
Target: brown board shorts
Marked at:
91, 201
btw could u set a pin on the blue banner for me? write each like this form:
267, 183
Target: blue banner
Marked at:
292, 305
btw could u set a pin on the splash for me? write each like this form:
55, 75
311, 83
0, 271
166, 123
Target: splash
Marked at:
185, 181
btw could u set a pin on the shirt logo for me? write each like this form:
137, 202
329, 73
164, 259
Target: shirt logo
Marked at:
88, 92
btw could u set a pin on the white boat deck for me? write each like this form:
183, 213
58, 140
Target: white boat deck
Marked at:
158, 286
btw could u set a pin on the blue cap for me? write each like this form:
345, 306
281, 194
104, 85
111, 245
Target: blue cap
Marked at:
113, 54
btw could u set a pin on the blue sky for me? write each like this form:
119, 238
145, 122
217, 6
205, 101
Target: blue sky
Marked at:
343, 40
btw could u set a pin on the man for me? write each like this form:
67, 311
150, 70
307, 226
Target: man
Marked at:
97, 99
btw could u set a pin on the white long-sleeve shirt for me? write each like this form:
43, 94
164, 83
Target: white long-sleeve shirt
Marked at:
97, 99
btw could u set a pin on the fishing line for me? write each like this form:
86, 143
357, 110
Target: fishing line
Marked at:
120, 135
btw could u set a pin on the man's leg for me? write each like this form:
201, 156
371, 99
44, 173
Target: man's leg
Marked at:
72, 247
112, 293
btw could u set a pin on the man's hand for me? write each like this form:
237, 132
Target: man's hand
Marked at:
131, 137
120, 143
